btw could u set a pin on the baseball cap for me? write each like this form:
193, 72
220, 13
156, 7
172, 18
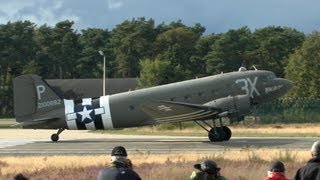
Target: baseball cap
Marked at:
119, 151
208, 166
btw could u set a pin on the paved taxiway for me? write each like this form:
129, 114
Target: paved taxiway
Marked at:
144, 144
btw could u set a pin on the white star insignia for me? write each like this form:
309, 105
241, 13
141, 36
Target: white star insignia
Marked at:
85, 113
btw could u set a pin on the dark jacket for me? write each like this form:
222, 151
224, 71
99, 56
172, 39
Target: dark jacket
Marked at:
311, 171
118, 171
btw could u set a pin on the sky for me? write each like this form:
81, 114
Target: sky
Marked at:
216, 15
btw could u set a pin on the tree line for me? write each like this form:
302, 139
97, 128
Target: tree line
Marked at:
157, 54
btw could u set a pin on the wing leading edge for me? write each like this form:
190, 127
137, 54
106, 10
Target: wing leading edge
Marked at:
168, 111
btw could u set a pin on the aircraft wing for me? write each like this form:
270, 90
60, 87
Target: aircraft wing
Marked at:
168, 111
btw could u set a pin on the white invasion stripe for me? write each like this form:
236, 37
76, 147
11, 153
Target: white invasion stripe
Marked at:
71, 116
106, 117
69, 110
99, 111
87, 101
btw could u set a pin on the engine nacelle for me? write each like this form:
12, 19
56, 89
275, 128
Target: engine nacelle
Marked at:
233, 107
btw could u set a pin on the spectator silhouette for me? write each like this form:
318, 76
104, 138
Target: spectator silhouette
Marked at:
311, 171
120, 168
276, 171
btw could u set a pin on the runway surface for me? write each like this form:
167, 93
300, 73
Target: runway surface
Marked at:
144, 144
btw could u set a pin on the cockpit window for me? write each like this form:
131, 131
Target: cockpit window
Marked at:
271, 76
267, 77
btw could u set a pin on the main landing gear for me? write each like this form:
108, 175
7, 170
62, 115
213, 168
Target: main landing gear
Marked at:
55, 137
217, 134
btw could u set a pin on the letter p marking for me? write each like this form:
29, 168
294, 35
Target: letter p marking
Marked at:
40, 89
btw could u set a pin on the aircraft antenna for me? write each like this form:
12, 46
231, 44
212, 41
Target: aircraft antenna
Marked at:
254, 67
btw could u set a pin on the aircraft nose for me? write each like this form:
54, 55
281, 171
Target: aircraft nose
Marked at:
287, 84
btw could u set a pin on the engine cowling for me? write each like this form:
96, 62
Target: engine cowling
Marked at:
233, 107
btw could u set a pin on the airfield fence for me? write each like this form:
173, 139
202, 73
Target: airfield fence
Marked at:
289, 110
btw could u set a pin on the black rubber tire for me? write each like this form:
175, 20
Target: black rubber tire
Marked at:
227, 132
55, 137
216, 136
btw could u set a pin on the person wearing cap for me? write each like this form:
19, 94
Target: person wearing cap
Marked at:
312, 169
207, 170
120, 167
276, 171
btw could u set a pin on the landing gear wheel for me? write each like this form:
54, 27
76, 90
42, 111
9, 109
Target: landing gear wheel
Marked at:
216, 134
54, 137
227, 132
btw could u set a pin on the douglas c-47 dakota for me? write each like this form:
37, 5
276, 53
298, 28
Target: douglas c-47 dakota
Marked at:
230, 95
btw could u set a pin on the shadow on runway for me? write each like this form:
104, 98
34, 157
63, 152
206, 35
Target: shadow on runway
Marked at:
120, 140
256, 143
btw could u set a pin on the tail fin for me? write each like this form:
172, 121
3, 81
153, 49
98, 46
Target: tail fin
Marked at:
33, 97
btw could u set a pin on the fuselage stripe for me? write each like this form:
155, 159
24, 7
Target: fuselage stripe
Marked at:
106, 117
98, 111
87, 101
69, 114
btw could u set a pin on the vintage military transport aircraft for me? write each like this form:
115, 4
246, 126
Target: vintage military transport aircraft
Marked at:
211, 98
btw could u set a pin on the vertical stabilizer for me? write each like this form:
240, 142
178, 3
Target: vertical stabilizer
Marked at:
33, 97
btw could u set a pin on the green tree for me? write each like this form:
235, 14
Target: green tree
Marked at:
273, 46
230, 51
177, 45
60, 50
131, 41
91, 64
44, 61
158, 72
304, 68
17, 49
202, 48
67, 49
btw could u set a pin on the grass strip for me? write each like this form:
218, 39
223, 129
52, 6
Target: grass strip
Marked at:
249, 164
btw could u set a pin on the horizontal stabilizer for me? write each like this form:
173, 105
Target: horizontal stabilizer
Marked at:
168, 111
35, 122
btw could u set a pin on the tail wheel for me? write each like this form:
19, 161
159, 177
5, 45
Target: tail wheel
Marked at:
227, 132
54, 137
